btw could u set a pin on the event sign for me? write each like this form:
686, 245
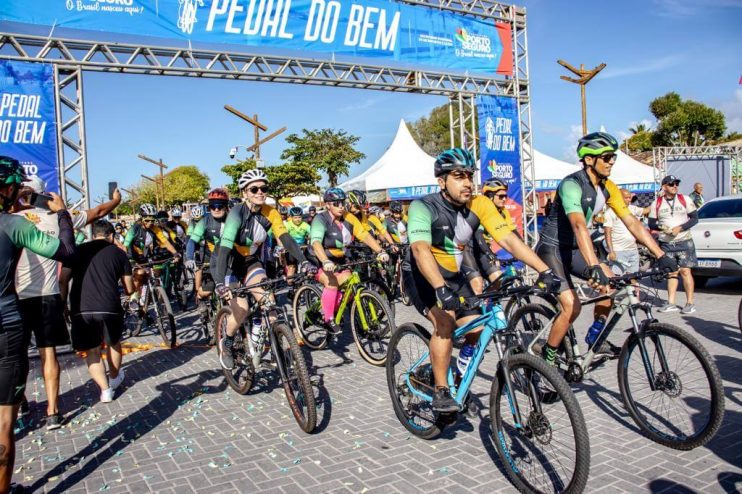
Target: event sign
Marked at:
499, 148
409, 193
409, 34
28, 118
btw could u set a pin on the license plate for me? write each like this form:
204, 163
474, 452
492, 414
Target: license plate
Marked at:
709, 263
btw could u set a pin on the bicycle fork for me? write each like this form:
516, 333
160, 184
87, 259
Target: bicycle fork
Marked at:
646, 360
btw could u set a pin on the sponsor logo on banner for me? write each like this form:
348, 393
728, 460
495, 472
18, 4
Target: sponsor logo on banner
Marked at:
128, 7
187, 14
472, 45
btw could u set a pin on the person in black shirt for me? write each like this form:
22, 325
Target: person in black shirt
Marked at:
95, 304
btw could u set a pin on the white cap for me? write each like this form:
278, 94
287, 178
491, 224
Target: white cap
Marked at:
36, 184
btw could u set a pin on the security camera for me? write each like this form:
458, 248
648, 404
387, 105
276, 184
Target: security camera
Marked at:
232, 153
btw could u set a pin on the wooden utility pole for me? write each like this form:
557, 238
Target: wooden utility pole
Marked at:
257, 127
157, 190
584, 76
162, 177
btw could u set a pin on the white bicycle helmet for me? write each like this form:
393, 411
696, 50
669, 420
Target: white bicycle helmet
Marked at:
147, 210
176, 212
251, 176
197, 212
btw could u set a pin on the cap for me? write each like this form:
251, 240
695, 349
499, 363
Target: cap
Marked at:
36, 184
670, 179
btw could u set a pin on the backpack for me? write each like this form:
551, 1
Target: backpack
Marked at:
680, 197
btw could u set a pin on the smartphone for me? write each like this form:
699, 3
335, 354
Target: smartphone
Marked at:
40, 200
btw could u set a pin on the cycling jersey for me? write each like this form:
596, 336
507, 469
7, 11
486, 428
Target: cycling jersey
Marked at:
372, 223
245, 231
300, 232
178, 229
448, 228
336, 235
143, 243
397, 229
209, 229
576, 194
191, 225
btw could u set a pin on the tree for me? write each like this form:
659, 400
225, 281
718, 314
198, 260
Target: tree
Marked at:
288, 179
326, 149
638, 128
433, 132
685, 122
641, 141
182, 184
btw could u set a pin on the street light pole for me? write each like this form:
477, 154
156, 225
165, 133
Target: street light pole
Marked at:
584, 76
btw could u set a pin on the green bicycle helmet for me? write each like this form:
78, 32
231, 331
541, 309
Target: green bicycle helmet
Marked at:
357, 198
595, 144
454, 159
11, 171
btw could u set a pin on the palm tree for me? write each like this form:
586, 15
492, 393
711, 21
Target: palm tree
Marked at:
638, 128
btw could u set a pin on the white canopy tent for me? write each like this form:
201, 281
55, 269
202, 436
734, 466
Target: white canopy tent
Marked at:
403, 164
631, 174
550, 171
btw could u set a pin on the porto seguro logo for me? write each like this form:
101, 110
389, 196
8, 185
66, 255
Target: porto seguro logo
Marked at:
187, 14
473, 42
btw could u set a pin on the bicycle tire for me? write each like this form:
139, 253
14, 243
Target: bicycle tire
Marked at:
403, 296
528, 320
529, 442
380, 322
739, 315
165, 317
294, 376
379, 287
671, 383
132, 323
240, 378
415, 414
309, 324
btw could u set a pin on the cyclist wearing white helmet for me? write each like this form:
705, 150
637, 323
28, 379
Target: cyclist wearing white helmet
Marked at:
245, 231
177, 224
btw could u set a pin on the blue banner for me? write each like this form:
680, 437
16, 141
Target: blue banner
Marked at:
409, 193
379, 29
28, 125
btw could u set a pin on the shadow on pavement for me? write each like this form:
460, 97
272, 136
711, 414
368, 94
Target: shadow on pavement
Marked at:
664, 485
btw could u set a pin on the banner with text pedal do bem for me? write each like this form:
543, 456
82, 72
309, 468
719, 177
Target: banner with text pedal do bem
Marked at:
28, 124
499, 148
386, 30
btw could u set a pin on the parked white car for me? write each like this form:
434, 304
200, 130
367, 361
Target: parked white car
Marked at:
718, 239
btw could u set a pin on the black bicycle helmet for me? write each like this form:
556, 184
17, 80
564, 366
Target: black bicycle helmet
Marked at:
454, 159
596, 144
334, 194
395, 207
283, 210
312, 209
295, 211
11, 171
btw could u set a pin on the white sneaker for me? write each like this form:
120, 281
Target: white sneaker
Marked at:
106, 396
116, 381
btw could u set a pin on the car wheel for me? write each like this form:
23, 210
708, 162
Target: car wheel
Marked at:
700, 281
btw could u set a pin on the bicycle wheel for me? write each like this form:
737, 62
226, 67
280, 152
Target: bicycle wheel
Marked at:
739, 315
165, 318
378, 286
308, 319
528, 321
294, 376
550, 451
240, 377
373, 339
187, 287
132, 323
403, 296
686, 407
408, 367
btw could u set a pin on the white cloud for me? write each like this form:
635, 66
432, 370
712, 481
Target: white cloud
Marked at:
684, 8
732, 110
624, 134
364, 104
568, 152
642, 67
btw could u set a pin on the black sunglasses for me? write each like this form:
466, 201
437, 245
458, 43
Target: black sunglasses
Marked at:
609, 157
149, 220
255, 189
217, 205
337, 204
673, 184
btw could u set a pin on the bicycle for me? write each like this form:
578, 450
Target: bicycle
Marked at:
375, 275
670, 365
287, 354
208, 308
739, 315
371, 319
526, 444
160, 312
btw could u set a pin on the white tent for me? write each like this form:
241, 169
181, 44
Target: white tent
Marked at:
550, 171
631, 174
403, 164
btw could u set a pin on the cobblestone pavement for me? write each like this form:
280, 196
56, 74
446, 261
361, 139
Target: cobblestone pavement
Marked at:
176, 427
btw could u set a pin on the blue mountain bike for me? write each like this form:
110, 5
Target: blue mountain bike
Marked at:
543, 447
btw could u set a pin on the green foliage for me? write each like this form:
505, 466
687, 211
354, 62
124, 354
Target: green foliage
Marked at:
639, 128
234, 171
639, 142
433, 133
325, 149
685, 122
182, 184
289, 179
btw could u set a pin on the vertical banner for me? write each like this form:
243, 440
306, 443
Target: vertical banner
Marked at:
28, 125
499, 148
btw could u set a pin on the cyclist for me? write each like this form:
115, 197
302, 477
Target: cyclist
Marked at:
333, 230
17, 233
578, 197
119, 234
177, 225
197, 212
284, 212
299, 231
311, 213
440, 226
209, 230
245, 231
396, 224
358, 206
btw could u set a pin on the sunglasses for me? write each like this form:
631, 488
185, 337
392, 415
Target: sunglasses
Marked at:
673, 184
218, 205
148, 221
336, 204
608, 157
255, 189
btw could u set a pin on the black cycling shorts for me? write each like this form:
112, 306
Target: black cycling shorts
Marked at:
560, 261
422, 294
89, 330
13, 363
44, 316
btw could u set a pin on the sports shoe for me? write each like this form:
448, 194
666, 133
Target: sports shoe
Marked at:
608, 350
25, 410
116, 381
225, 353
334, 328
54, 421
106, 396
443, 401
688, 309
668, 307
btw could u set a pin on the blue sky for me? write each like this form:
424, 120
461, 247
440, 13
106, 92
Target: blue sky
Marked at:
650, 47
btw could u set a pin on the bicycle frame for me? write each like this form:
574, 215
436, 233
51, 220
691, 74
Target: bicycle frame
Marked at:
351, 290
492, 322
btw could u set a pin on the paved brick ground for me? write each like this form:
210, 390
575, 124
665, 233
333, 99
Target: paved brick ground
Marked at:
176, 427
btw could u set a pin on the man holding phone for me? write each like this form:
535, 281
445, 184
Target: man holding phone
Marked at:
37, 285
